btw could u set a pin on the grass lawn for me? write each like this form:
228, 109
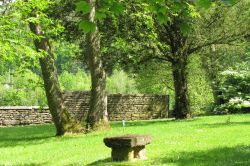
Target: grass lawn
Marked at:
209, 141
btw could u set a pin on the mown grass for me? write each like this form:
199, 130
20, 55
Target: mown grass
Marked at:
207, 141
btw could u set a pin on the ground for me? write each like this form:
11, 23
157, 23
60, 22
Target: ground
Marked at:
206, 141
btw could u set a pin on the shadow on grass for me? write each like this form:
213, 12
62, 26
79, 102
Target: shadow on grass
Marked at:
149, 122
223, 124
24, 164
229, 156
25, 135
109, 162
106, 161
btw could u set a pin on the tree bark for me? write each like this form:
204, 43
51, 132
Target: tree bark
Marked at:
181, 107
64, 123
97, 115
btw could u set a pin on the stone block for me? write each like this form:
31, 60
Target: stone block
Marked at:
128, 147
10, 122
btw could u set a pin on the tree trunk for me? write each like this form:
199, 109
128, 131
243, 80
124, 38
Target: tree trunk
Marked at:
181, 107
97, 115
64, 123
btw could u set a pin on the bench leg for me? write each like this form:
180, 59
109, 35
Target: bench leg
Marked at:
140, 152
122, 154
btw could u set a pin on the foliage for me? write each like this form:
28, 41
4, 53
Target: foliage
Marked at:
236, 84
200, 93
121, 82
225, 139
27, 89
16, 50
118, 82
235, 89
66, 56
78, 81
154, 77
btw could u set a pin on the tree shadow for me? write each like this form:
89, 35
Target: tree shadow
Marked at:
26, 164
230, 156
223, 124
148, 122
25, 135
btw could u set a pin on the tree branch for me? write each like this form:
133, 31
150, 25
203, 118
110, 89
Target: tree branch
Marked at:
222, 40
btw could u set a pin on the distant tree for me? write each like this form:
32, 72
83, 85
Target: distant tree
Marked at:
185, 33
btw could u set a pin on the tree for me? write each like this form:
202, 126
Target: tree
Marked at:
184, 34
178, 31
222, 56
63, 121
97, 114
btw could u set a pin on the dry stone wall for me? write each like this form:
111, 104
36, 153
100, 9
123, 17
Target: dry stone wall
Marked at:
120, 107
137, 107
23, 115
77, 103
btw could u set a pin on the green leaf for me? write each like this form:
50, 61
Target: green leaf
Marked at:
162, 10
83, 6
204, 3
185, 28
87, 26
163, 19
117, 8
100, 15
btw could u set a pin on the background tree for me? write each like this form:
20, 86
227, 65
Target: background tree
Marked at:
184, 37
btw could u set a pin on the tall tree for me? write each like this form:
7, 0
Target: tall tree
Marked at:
180, 29
185, 33
97, 115
63, 121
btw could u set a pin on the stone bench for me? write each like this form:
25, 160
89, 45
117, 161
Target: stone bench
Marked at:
128, 147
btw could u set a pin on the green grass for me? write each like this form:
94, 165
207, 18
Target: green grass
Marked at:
208, 141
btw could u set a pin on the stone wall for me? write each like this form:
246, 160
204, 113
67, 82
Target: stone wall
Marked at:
77, 103
137, 107
120, 106
23, 115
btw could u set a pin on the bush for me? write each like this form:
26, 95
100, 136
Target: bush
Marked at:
235, 89
121, 82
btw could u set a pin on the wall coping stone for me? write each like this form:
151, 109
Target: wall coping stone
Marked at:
21, 107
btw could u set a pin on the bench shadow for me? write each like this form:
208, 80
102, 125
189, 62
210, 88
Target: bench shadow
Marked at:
230, 156
104, 162
109, 162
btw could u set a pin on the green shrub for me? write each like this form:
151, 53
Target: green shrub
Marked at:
121, 82
235, 89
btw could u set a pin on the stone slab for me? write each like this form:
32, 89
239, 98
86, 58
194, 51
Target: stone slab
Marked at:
127, 141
